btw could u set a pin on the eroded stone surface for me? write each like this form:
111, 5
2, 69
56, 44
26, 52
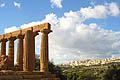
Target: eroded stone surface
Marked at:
19, 35
25, 63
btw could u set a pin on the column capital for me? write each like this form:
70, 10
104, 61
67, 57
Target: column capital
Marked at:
46, 31
3, 40
12, 38
35, 34
20, 36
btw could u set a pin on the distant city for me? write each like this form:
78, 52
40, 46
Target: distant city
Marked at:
90, 62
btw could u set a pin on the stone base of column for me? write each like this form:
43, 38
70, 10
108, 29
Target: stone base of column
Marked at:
19, 75
43, 68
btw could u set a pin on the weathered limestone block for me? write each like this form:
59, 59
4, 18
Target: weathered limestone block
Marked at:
16, 33
7, 35
38, 28
1, 37
47, 26
26, 29
3, 62
44, 50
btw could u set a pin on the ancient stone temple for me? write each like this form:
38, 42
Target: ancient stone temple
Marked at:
24, 69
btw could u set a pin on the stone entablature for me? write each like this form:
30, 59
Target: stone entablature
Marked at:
35, 29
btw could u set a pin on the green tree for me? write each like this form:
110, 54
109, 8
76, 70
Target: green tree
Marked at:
69, 76
81, 76
113, 73
88, 76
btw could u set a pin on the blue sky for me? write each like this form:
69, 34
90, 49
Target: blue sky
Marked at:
82, 28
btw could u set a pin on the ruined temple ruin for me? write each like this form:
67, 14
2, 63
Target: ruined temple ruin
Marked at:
25, 63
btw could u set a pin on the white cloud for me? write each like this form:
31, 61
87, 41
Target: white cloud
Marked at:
114, 9
2, 5
100, 11
56, 3
96, 12
16, 4
11, 29
30, 24
72, 39
51, 18
92, 3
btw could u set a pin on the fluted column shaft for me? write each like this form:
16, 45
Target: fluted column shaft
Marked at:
44, 51
34, 35
11, 53
33, 53
28, 51
3, 47
19, 61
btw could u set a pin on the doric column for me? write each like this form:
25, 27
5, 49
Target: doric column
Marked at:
19, 61
28, 51
44, 51
34, 34
11, 52
3, 47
